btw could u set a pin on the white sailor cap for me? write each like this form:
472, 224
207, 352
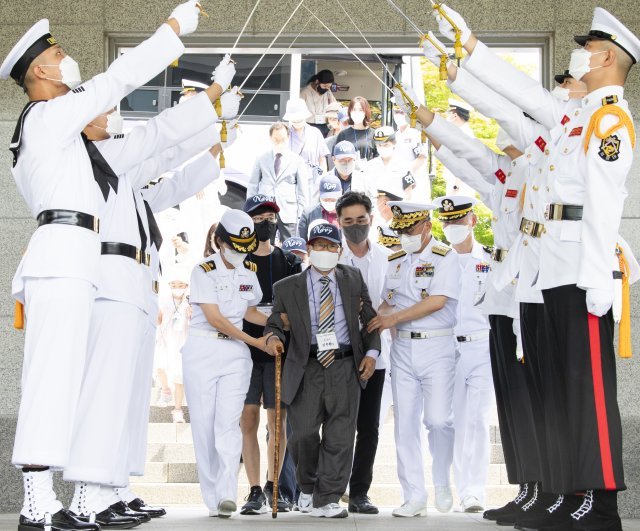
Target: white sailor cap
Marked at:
384, 134
407, 214
35, 41
189, 86
391, 188
452, 207
236, 229
387, 237
608, 28
459, 104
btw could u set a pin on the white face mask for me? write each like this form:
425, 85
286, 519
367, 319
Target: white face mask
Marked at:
233, 257
323, 260
357, 117
178, 292
329, 206
346, 168
400, 119
70, 72
503, 140
411, 244
385, 151
580, 62
456, 234
561, 93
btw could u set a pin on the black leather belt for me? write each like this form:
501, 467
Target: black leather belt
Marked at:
499, 255
69, 217
531, 228
342, 352
555, 212
155, 286
124, 249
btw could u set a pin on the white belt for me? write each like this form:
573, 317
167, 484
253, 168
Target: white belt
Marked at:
199, 332
473, 337
424, 334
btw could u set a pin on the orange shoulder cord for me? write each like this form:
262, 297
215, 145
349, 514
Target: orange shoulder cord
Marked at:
624, 330
623, 121
18, 316
223, 138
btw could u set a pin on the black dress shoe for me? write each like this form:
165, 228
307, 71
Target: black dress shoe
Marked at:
123, 509
524, 495
109, 519
140, 507
361, 504
63, 520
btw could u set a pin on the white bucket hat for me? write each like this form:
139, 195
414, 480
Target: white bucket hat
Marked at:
297, 110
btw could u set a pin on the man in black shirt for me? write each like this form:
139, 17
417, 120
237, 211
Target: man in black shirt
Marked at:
273, 264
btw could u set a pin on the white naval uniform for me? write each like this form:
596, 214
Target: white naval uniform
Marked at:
216, 376
422, 370
473, 395
168, 192
53, 171
119, 318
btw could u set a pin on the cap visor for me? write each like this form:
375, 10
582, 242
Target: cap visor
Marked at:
268, 204
560, 78
324, 238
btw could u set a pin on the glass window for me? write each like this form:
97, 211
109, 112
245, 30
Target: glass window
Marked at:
262, 105
141, 100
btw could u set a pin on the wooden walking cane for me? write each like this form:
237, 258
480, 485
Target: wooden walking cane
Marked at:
276, 459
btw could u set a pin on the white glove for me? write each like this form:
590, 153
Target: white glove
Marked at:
400, 101
516, 332
224, 72
187, 15
599, 301
230, 102
447, 30
232, 133
431, 52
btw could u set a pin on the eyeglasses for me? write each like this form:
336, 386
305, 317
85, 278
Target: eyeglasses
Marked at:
322, 246
264, 217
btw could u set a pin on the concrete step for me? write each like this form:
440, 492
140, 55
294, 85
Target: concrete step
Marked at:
385, 495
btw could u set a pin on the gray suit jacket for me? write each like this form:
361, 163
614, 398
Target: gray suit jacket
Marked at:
290, 186
292, 298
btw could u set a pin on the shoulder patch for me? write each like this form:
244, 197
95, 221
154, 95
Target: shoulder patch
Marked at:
442, 250
251, 266
488, 249
610, 148
396, 255
208, 266
78, 90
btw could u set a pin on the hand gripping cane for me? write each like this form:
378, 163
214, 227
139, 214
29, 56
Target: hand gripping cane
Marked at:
457, 45
276, 457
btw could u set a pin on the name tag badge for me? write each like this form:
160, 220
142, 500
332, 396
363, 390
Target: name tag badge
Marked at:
327, 341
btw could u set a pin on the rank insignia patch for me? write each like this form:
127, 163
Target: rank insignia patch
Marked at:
540, 142
246, 287
610, 148
511, 193
501, 176
565, 119
576, 131
426, 270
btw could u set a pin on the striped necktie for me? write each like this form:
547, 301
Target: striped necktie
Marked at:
326, 321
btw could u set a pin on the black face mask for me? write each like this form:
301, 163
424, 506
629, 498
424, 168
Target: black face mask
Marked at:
356, 233
321, 90
266, 230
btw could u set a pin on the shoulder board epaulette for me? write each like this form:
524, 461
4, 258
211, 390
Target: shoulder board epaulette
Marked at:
610, 100
251, 266
396, 255
442, 250
488, 249
78, 90
118, 136
208, 266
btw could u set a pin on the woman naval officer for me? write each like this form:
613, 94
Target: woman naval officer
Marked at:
216, 359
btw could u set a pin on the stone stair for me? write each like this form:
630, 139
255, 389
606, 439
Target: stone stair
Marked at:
171, 476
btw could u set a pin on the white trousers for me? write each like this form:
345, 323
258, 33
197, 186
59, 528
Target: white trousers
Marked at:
141, 402
422, 372
387, 399
473, 398
101, 438
58, 312
216, 380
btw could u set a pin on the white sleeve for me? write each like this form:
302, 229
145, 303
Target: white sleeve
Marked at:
183, 183
201, 287
254, 179
257, 291
519, 88
493, 105
165, 130
66, 116
467, 173
605, 192
303, 176
446, 280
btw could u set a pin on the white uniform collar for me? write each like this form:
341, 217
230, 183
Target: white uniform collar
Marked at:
426, 252
594, 98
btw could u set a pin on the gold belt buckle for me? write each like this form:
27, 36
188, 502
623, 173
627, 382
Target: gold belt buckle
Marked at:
96, 224
554, 212
138, 256
147, 259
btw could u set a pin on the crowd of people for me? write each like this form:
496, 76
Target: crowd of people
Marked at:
327, 262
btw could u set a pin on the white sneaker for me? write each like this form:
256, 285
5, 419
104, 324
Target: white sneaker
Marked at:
305, 503
410, 509
471, 504
178, 416
331, 510
226, 508
213, 513
444, 500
